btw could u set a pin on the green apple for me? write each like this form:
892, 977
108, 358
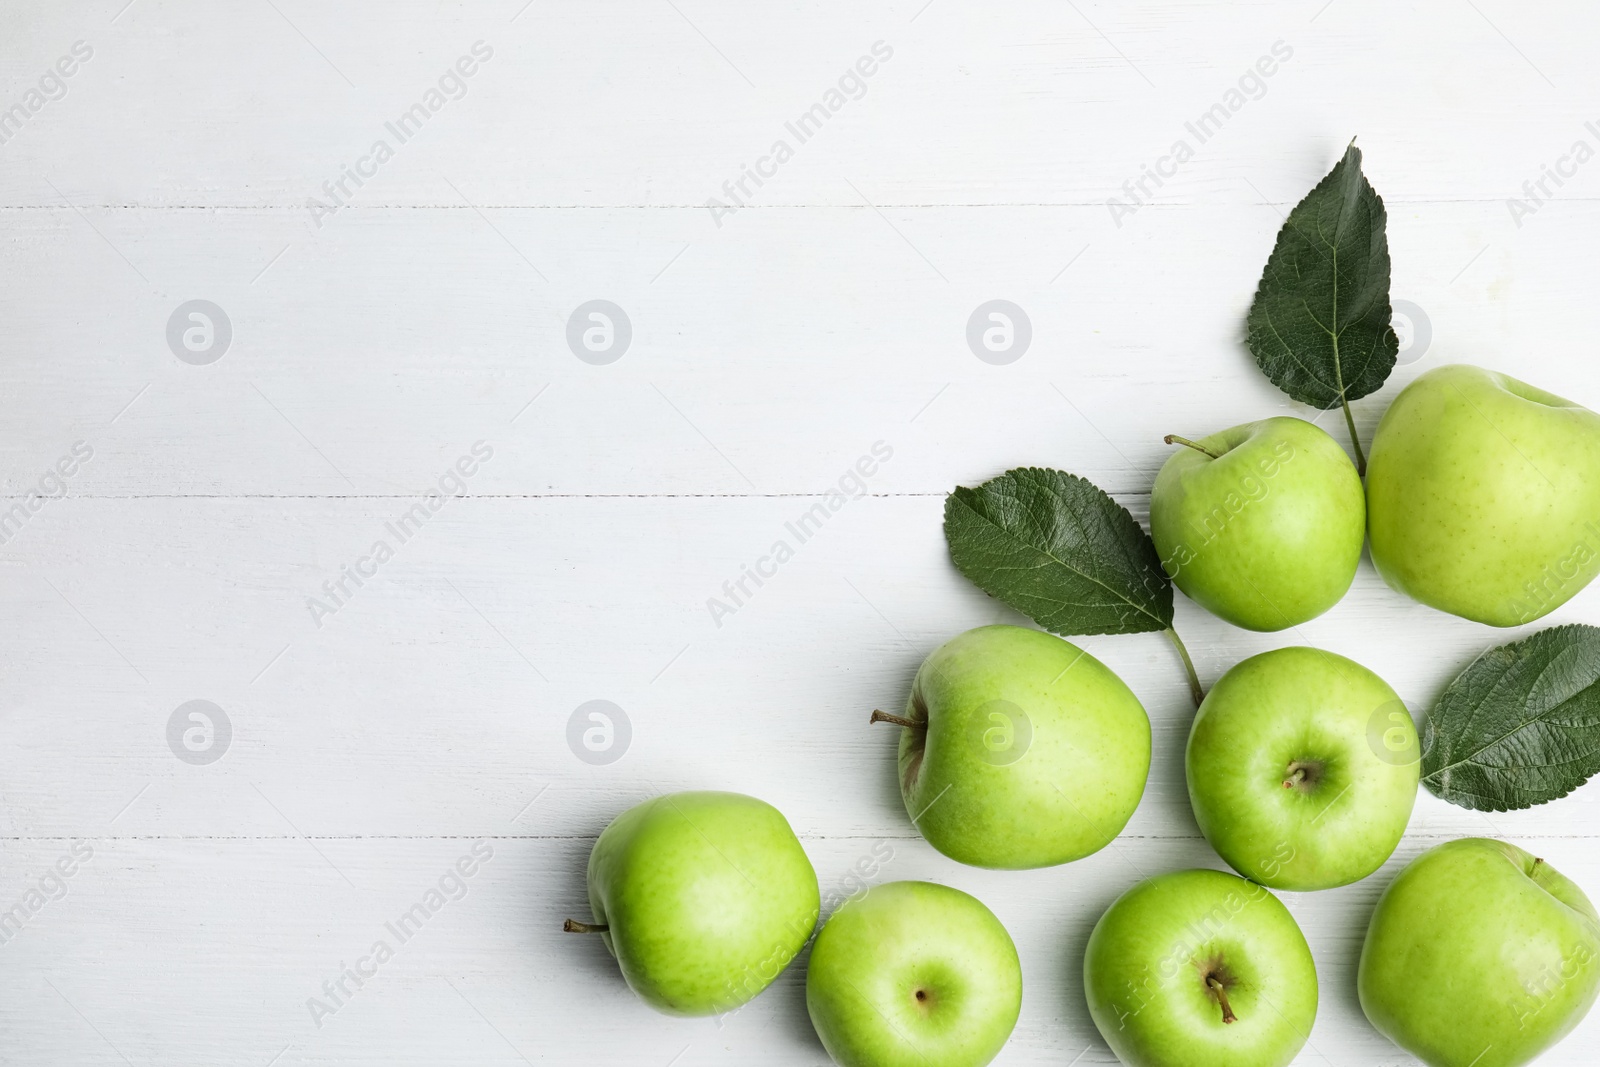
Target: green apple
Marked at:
912, 974
1020, 749
1200, 969
1483, 496
1479, 955
1262, 524
703, 898
1303, 769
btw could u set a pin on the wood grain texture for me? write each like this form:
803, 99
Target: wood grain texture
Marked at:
773, 347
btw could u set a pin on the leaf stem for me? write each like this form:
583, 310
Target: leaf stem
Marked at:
1195, 691
1174, 439
1349, 420
883, 716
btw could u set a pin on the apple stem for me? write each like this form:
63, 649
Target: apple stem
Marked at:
1174, 439
1221, 994
1297, 778
1195, 691
883, 716
573, 926
1355, 441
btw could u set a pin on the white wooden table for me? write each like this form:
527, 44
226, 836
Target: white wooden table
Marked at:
376, 339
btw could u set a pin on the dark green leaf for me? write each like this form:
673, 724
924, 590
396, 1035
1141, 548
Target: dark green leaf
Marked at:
1059, 550
1319, 327
1520, 726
